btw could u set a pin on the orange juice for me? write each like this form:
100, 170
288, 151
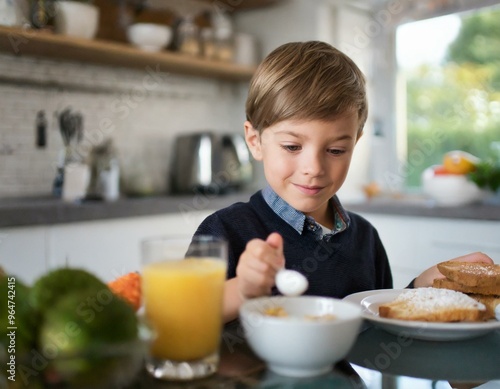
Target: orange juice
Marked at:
183, 301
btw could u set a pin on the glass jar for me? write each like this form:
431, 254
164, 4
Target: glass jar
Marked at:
188, 37
223, 34
208, 43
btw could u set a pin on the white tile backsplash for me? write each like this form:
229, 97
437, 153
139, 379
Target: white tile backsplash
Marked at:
141, 110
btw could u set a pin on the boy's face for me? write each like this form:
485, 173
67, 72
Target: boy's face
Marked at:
306, 162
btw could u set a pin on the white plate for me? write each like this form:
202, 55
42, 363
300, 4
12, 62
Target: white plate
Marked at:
370, 301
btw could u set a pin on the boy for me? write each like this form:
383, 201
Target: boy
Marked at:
306, 109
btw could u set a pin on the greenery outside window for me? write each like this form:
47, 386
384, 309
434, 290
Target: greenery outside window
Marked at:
452, 96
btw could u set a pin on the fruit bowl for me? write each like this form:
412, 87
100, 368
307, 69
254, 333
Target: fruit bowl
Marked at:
450, 190
103, 365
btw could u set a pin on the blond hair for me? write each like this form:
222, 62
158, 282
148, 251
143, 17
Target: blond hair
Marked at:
306, 81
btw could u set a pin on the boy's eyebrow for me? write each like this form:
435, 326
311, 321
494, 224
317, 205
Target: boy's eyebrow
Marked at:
344, 137
296, 135
287, 132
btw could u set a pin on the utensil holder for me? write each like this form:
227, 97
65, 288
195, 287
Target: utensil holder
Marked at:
76, 181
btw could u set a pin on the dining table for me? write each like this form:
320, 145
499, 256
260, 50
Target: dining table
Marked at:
378, 359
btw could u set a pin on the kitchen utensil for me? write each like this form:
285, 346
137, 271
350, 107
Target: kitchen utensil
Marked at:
291, 282
208, 162
236, 162
73, 175
71, 127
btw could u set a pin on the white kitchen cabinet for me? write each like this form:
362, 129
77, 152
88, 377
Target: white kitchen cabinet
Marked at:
23, 252
110, 248
414, 244
107, 248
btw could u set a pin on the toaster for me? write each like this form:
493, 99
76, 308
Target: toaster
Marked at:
210, 163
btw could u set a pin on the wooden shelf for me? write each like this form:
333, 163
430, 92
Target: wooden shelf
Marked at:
226, 5
243, 5
21, 42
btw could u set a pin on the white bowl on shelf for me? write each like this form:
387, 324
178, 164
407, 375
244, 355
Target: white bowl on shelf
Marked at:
149, 36
450, 190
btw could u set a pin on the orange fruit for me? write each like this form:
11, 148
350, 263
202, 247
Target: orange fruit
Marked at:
128, 287
459, 162
372, 189
439, 170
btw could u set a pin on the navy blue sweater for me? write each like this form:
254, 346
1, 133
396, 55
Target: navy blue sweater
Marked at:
351, 261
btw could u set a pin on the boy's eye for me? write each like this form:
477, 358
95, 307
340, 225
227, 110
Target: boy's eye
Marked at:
291, 147
336, 151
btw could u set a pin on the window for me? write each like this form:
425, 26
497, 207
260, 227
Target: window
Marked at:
451, 71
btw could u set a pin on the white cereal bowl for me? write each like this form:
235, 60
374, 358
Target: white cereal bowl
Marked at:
149, 36
297, 346
450, 190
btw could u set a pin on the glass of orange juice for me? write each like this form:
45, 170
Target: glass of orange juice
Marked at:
183, 283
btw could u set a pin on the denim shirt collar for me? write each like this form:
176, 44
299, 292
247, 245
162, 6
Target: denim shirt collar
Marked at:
298, 221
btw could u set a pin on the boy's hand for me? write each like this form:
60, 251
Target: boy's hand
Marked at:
428, 276
258, 265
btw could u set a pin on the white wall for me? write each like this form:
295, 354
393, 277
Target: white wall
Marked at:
287, 21
302, 20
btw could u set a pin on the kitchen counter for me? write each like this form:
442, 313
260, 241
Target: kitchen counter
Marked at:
426, 208
47, 211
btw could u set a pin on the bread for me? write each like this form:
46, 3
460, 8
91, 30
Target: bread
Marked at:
452, 285
480, 281
473, 274
490, 302
435, 305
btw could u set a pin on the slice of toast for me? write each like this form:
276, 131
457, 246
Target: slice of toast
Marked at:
432, 304
490, 302
475, 274
452, 285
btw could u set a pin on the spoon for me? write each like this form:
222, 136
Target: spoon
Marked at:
290, 282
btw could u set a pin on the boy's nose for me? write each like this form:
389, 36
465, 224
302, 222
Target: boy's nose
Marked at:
312, 166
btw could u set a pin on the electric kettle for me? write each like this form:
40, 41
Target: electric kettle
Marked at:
210, 163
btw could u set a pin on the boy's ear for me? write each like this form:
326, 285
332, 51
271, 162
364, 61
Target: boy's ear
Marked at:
252, 137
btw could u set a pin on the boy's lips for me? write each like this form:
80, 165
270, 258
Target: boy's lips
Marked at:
309, 190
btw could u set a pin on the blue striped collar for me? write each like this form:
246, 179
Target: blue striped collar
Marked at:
298, 220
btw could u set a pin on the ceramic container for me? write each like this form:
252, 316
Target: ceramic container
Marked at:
450, 190
13, 12
76, 19
76, 181
149, 36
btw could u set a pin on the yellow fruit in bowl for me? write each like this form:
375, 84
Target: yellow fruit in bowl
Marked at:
459, 162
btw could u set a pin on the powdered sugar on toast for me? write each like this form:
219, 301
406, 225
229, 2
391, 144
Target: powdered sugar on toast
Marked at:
432, 298
480, 270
